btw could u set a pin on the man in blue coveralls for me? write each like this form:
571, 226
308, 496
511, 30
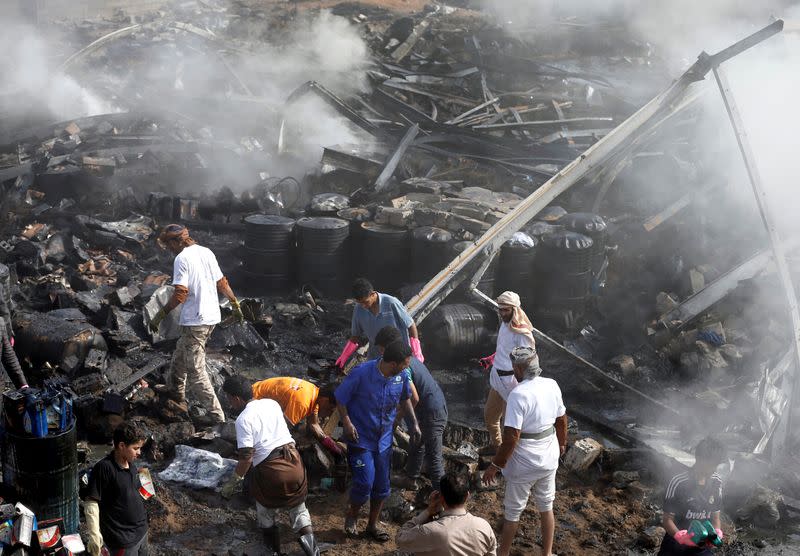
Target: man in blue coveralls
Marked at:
367, 401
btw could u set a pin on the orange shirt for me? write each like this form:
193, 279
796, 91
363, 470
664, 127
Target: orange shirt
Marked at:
297, 397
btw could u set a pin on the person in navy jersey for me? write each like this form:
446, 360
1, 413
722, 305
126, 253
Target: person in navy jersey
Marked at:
431, 411
367, 400
695, 494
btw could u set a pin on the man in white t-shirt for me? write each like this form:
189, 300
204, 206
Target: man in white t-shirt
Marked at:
534, 437
269, 466
197, 279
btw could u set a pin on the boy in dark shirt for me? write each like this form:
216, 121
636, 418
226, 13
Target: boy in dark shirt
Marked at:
693, 495
115, 515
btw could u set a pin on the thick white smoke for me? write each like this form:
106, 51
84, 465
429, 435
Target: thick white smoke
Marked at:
324, 48
27, 70
763, 80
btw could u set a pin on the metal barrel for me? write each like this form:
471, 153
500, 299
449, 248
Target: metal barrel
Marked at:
322, 254
564, 269
459, 331
595, 227
44, 473
515, 267
431, 251
268, 251
487, 282
384, 256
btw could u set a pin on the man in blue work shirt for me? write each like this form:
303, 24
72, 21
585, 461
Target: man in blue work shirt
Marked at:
431, 411
372, 312
367, 400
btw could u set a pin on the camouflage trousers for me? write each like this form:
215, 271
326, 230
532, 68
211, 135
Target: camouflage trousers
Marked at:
189, 365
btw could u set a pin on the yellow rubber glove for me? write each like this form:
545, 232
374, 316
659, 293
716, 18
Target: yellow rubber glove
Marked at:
156, 321
237, 311
232, 486
94, 546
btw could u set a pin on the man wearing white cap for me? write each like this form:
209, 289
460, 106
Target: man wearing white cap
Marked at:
534, 437
515, 330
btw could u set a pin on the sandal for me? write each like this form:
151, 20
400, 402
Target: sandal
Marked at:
351, 526
378, 535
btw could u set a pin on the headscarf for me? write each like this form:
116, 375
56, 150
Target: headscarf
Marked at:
520, 323
526, 355
175, 231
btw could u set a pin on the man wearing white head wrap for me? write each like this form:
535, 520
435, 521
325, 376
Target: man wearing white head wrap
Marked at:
515, 330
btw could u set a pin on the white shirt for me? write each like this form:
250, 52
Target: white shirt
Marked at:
196, 268
261, 426
507, 340
533, 407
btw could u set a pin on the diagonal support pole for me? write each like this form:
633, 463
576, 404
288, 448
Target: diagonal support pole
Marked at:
774, 236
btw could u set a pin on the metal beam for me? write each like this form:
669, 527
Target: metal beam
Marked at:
687, 311
590, 161
769, 222
397, 156
559, 347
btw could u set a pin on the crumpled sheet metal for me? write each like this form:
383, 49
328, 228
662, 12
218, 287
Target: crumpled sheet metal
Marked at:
197, 468
136, 228
170, 328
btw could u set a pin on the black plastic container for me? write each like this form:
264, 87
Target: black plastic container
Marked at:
322, 254
459, 331
269, 247
385, 255
595, 227
515, 266
431, 251
564, 271
44, 473
355, 216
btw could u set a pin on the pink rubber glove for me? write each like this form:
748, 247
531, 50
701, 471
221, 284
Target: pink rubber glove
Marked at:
486, 362
416, 349
348, 350
683, 537
719, 533
330, 444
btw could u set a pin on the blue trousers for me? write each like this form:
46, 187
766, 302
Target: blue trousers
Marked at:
370, 474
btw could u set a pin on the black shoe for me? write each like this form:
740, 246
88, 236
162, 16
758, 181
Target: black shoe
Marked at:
272, 538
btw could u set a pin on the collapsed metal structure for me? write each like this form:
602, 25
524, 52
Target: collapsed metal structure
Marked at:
600, 164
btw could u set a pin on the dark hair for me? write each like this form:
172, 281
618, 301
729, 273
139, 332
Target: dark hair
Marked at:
327, 391
238, 386
454, 488
710, 450
129, 433
362, 288
387, 335
396, 352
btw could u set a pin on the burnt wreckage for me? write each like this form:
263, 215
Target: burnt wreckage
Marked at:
478, 169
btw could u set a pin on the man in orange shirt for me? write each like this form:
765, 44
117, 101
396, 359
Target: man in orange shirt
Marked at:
300, 399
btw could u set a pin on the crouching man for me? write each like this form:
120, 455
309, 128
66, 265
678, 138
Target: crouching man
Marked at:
269, 466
